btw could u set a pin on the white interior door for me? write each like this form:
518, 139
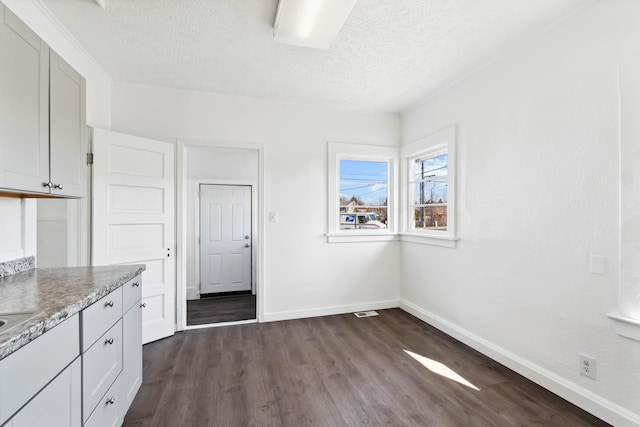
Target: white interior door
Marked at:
134, 219
225, 238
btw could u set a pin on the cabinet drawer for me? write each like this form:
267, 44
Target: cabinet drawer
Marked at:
101, 365
24, 373
107, 413
99, 317
131, 293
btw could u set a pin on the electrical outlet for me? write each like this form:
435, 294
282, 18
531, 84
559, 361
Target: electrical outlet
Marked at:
588, 366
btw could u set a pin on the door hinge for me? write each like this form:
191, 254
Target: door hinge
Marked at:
89, 158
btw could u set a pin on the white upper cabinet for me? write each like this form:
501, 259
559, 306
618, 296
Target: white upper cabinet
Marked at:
42, 116
24, 110
68, 128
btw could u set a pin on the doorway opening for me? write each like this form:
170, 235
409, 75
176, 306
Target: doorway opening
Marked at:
219, 228
226, 292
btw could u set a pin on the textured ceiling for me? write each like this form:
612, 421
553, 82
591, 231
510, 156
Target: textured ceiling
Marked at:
389, 55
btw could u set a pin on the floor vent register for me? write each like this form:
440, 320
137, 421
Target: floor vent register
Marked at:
370, 313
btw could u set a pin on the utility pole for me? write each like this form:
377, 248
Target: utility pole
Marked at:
422, 201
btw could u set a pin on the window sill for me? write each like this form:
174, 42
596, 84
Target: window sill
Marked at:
360, 237
427, 239
626, 326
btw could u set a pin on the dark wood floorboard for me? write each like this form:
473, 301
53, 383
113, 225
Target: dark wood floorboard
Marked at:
227, 308
335, 371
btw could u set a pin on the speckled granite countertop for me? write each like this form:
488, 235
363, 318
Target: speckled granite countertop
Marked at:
56, 294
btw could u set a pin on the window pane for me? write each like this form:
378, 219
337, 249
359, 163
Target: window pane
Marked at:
363, 184
434, 191
363, 194
431, 167
430, 218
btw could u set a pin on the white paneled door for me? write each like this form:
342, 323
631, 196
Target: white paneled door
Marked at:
225, 238
134, 219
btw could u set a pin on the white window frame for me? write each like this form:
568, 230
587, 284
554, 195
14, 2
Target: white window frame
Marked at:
434, 144
349, 151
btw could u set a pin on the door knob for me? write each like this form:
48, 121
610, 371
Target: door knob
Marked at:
247, 245
246, 237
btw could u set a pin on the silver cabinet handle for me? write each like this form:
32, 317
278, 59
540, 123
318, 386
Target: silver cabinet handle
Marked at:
110, 401
136, 284
58, 186
143, 305
108, 304
47, 184
109, 341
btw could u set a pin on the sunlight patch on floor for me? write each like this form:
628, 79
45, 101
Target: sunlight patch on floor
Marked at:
440, 369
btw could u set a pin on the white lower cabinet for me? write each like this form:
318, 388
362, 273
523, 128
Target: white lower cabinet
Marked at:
112, 363
85, 371
26, 373
131, 376
58, 404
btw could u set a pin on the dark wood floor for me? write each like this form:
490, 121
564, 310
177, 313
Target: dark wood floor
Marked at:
335, 371
225, 308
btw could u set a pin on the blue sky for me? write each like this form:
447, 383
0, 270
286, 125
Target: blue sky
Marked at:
367, 180
363, 179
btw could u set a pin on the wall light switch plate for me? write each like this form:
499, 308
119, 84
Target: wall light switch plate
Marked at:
598, 265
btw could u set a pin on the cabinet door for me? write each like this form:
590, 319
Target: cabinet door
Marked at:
68, 137
131, 376
58, 404
24, 115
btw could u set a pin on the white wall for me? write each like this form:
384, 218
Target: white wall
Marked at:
17, 240
52, 233
538, 193
304, 275
211, 165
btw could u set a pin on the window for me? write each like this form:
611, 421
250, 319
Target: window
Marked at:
429, 188
429, 196
361, 192
364, 194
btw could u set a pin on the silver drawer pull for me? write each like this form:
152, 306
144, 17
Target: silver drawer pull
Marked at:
143, 305
136, 284
58, 186
110, 401
108, 304
109, 341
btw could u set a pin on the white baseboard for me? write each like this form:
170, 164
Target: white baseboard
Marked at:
328, 311
590, 402
193, 293
221, 324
